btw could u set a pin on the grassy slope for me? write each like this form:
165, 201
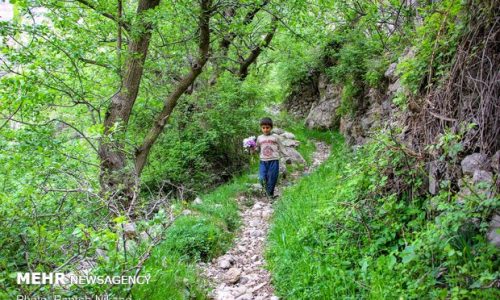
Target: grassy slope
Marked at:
296, 266
338, 234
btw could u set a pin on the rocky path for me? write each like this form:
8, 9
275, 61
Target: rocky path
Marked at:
239, 274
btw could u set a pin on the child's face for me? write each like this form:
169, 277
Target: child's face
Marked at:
266, 129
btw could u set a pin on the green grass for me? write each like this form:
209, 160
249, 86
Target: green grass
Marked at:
172, 277
343, 233
299, 270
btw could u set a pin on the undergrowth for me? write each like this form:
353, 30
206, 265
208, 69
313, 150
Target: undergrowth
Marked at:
360, 227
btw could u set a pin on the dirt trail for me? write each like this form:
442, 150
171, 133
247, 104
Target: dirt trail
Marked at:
239, 274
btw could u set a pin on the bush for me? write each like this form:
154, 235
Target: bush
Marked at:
435, 44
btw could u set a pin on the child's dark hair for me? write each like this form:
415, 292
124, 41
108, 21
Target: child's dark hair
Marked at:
266, 121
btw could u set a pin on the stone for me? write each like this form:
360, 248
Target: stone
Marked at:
129, 230
258, 287
254, 223
395, 87
256, 233
483, 181
225, 295
244, 280
257, 205
266, 214
255, 213
391, 72
495, 162
493, 235
233, 275
473, 162
433, 177
290, 143
277, 130
322, 115
197, 201
240, 291
247, 296
295, 156
186, 212
224, 264
366, 122
288, 135
482, 176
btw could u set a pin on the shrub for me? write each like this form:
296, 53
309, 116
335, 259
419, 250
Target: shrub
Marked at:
196, 238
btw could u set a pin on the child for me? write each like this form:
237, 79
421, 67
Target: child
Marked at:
269, 145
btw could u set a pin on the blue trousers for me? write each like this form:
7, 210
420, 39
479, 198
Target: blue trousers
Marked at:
268, 175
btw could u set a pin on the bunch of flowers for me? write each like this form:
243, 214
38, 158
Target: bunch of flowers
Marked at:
249, 143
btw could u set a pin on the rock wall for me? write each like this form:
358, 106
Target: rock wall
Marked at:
316, 100
317, 103
303, 95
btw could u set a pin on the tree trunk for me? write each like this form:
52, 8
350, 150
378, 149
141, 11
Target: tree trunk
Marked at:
171, 101
118, 183
254, 54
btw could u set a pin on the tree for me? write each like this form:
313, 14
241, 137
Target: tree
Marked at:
84, 40
115, 178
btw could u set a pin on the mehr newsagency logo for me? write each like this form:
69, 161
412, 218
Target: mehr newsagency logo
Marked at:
61, 279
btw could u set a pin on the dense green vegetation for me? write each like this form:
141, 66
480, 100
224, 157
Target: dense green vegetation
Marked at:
364, 226
347, 232
122, 112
